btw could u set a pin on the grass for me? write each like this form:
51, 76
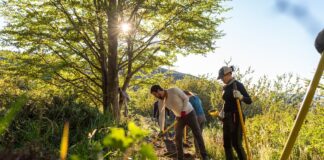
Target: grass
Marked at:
213, 138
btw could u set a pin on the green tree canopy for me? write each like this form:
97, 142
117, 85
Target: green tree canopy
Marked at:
85, 37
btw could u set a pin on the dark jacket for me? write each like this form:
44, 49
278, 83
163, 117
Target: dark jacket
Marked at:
230, 102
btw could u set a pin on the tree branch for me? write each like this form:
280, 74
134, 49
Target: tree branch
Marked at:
89, 43
74, 67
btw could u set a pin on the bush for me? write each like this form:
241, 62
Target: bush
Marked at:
38, 128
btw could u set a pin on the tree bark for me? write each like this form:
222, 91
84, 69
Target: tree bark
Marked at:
129, 74
112, 79
104, 74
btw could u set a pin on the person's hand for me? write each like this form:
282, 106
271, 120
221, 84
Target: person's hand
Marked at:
221, 115
237, 94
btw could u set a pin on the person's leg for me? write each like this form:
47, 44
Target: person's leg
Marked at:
237, 140
167, 124
192, 122
179, 136
201, 121
227, 136
172, 132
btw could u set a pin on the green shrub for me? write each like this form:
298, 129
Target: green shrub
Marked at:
40, 126
129, 142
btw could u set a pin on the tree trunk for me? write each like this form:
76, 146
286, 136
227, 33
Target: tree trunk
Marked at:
112, 79
106, 107
130, 64
129, 73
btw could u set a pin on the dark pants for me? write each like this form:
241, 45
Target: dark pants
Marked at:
232, 136
191, 121
201, 121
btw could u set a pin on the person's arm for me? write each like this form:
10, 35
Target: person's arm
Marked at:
161, 114
246, 97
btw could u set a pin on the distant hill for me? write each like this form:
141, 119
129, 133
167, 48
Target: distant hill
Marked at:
175, 74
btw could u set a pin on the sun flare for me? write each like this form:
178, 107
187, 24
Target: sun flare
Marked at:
125, 27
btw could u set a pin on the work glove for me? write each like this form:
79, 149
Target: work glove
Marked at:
221, 115
237, 94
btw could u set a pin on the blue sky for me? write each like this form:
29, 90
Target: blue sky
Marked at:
271, 40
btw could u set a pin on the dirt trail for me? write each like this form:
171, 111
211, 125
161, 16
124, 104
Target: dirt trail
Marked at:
165, 149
